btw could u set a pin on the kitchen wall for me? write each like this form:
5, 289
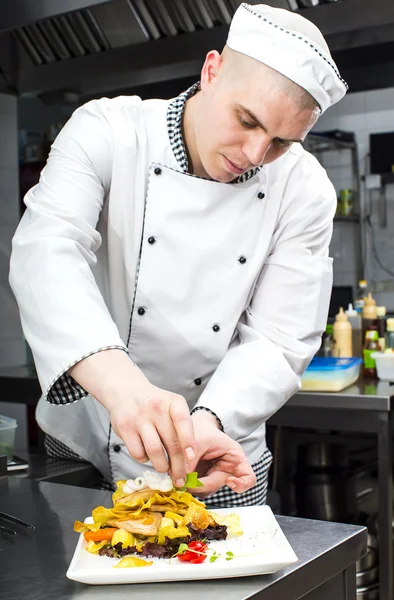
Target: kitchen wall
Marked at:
12, 345
362, 113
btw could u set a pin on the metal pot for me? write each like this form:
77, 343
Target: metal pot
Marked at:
368, 593
322, 455
366, 578
327, 496
370, 560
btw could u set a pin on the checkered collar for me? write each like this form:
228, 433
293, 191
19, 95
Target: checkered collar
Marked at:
174, 126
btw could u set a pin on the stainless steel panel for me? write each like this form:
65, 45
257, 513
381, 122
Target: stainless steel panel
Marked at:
69, 36
41, 43
97, 30
80, 25
18, 13
54, 39
162, 17
184, 18
26, 42
142, 13
119, 23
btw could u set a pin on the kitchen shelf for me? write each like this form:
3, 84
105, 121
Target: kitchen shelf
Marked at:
320, 143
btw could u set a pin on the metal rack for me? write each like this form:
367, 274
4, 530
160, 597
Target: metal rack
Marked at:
317, 144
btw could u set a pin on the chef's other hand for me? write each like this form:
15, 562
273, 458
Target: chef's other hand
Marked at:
154, 424
220, 460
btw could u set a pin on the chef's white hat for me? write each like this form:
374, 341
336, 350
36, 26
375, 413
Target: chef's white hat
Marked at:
290, 44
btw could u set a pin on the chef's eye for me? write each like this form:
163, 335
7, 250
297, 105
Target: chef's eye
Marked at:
282, 143
245, 123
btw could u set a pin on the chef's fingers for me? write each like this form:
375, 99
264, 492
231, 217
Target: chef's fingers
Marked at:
154, 447
212, 482
174, 450
243, 483
183, 423
136, 447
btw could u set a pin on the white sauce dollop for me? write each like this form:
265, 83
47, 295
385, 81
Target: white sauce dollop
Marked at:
149, 480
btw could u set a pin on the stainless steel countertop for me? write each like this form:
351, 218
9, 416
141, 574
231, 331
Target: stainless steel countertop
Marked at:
34, 567
363, 395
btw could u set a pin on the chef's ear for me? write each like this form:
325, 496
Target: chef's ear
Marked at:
211, 68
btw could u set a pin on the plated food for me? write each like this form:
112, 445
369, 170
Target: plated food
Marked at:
150, 517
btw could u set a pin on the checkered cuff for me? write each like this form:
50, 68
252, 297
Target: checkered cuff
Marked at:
212, 413
65, 389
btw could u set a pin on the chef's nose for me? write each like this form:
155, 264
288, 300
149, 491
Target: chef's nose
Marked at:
257, 147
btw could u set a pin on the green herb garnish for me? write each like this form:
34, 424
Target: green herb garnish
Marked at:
214, 557
192, 480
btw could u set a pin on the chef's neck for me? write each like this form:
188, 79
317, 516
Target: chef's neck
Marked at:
189, 138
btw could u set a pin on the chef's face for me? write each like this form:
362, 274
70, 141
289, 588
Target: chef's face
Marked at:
246, 115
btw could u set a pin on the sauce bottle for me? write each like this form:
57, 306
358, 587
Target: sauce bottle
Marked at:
369, 314
371, 345
342, 331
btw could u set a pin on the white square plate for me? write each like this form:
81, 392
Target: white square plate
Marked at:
263, 548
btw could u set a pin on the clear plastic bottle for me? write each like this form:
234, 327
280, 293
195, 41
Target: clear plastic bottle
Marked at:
355, 321
342, 336
390, 335
381, 323
362, 292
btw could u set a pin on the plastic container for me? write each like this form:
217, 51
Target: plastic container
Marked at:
384, 365
330, 374
7, 436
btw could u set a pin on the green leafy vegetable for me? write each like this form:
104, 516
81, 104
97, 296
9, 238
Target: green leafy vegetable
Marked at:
192, 480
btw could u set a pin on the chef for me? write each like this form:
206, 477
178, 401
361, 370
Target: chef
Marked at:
172, 268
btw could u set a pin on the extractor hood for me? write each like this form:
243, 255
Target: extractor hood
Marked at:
90, 47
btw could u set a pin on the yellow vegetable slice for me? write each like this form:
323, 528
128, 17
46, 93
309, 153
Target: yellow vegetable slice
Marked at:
166, 522
172, 533
132, 561
171, 515
232, 521
94, 547
80, 527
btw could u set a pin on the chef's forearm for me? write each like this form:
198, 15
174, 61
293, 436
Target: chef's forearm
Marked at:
107, 375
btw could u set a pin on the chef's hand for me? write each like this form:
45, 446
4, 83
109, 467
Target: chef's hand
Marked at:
220, 460
152, 422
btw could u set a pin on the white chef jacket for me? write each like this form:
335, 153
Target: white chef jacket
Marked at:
226, 306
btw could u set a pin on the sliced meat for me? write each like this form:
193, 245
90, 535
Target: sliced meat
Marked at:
147, 523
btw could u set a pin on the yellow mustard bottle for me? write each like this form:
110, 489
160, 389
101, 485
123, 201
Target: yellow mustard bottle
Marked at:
342, 333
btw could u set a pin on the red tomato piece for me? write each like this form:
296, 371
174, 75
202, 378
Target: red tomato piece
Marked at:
196, 553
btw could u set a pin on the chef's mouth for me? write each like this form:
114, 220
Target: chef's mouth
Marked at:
233, 168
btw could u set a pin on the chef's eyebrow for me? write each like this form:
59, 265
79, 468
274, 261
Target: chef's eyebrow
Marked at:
259, 124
